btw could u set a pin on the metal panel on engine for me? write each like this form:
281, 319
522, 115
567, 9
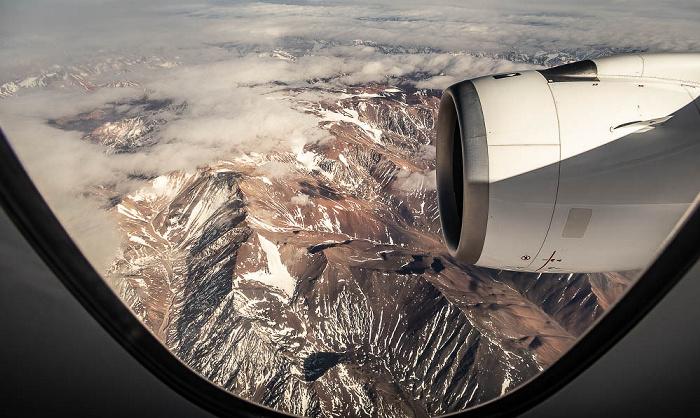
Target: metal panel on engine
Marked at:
523, 151
632, 161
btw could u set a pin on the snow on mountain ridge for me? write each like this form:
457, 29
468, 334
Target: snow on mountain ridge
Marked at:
85, 75
364, 314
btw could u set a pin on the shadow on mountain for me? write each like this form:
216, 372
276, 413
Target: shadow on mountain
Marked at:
316, 364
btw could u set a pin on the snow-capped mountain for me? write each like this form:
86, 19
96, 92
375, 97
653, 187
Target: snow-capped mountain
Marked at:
324, 289
86, 75
123, 127
314, 280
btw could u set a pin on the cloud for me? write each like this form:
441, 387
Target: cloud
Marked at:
62, 169
63, 31
275, 169
301, 199
411, 181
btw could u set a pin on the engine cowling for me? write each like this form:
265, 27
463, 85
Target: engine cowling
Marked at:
585, 167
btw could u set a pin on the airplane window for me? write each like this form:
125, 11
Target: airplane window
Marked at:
368, 209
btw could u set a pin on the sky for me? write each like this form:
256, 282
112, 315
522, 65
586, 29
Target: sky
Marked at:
225, 59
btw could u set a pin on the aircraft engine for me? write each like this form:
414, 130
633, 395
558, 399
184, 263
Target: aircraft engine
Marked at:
584, 167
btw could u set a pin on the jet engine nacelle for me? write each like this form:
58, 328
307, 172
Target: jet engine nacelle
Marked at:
585, 167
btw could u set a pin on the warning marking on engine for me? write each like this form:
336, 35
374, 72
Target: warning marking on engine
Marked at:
549, 260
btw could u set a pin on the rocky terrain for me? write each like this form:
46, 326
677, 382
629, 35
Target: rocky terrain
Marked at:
324, 289
315, 281
90, 76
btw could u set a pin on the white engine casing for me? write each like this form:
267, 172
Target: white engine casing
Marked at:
585, 167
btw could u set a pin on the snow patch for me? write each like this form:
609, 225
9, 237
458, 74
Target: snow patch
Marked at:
276, 274
308, 160
344, 96
504, 387
137, 240
329, 116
